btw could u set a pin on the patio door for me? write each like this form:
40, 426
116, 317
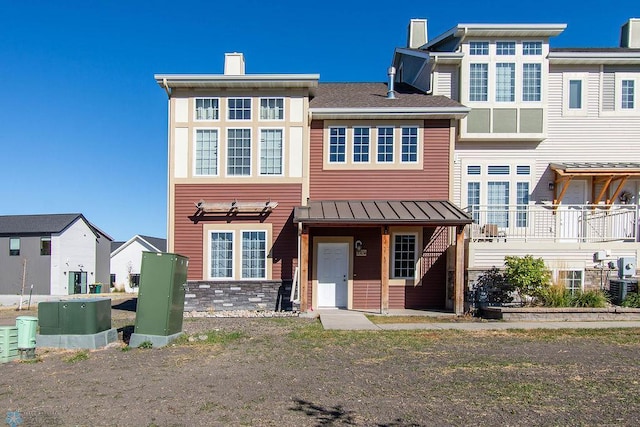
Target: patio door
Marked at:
333, 269
77, 282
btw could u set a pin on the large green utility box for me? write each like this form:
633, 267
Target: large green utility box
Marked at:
163, 277
74, 317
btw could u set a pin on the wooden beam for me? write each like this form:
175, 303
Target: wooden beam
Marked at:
304, 270
384, 270
605, 187
623, 180
565, 181
458, 280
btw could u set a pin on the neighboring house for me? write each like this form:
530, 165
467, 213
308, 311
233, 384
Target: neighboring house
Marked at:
59, 254
126, 259
548, 159
336, 188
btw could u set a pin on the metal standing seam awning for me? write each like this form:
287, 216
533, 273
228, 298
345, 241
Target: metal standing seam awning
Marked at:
371, 212
605, 173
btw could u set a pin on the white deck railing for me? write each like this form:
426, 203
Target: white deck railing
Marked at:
560, 223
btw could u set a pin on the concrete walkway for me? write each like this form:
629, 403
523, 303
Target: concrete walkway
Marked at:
357, 321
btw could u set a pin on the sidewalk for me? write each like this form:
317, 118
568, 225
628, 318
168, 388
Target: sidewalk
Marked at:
357, 321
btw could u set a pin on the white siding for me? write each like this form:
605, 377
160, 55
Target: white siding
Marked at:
127, 261
72, 250
446, 83
295, 152
182, 110
297, 109
181, 153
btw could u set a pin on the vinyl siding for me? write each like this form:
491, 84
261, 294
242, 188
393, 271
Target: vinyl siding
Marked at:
189, 234
447, 81
432, 182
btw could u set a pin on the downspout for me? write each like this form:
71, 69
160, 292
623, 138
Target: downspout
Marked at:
166, 88
432, 77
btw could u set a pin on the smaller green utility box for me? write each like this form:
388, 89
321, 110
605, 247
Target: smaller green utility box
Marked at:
161, 295
74, 317
8, 343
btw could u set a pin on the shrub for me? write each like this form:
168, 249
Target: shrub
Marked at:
632, 300
592, 298
492, 287
555, 296
528, 275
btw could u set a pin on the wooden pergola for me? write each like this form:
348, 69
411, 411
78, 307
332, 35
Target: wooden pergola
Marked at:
612, 177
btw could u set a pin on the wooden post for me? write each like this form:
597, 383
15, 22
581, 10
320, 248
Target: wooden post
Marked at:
458, 277
384, 271
304, 270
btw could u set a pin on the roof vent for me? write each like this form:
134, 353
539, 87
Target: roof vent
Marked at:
392, 75
233, 64
630, 34
417, 33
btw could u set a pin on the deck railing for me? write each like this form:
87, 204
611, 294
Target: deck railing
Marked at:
560, 223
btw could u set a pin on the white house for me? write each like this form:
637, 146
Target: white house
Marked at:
59, 254
548, 159
126, 259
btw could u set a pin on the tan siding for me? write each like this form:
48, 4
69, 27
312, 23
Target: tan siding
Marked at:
432, 182
188, 233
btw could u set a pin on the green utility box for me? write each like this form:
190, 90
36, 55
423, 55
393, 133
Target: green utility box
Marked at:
161, 294
8, 343
26, 331
74, 317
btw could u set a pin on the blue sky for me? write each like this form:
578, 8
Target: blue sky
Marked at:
84, 125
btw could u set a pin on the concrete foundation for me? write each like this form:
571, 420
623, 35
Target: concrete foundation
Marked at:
88, 341
155, 340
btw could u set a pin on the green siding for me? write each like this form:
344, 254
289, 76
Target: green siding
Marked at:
504, 120
478, 120
531, 120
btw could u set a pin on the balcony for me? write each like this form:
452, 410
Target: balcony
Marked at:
554, 223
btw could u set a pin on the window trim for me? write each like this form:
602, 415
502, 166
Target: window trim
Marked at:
195, 109
210, 259
566, 81
282, 152
393, 145
620, 77
353, 145
539, 82
195, 151
267, 98
483, 42
226, 171
229, 108
485, 88
266, 253
417, 145
569, 270
236, 230
346, 151
42, 240
512, 79
532, 54
392, 269
511, 43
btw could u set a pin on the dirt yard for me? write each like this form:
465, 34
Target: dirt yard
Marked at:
275, 372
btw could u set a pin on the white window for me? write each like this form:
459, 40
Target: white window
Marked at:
271, 109
254, 255
239, 108
206, 152
505, 48
571, 280
473, 200
478, 82
385, 145
207, 109
404, 255
531, 82
532, 48
221, 261
478, 48
239, 152
361, 144
337, 145
574, 93
505, 81
627, 97
271, 152
409, 145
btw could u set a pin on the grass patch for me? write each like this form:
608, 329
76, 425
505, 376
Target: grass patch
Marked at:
77, 356
209, 338
415, 319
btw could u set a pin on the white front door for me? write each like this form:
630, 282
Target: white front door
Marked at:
333, 269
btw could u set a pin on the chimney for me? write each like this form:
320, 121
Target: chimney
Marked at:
417, 33
233, 64
630, 34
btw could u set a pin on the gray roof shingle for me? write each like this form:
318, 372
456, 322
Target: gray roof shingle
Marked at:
372, 95
12, 225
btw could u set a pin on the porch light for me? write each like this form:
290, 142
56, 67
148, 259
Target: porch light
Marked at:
552, 186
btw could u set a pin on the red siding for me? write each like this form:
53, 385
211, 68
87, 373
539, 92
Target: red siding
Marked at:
431, 293
432, 182
366, 295
188, 233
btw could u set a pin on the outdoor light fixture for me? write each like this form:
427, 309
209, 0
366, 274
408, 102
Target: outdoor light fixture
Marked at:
552, 186
358, 245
